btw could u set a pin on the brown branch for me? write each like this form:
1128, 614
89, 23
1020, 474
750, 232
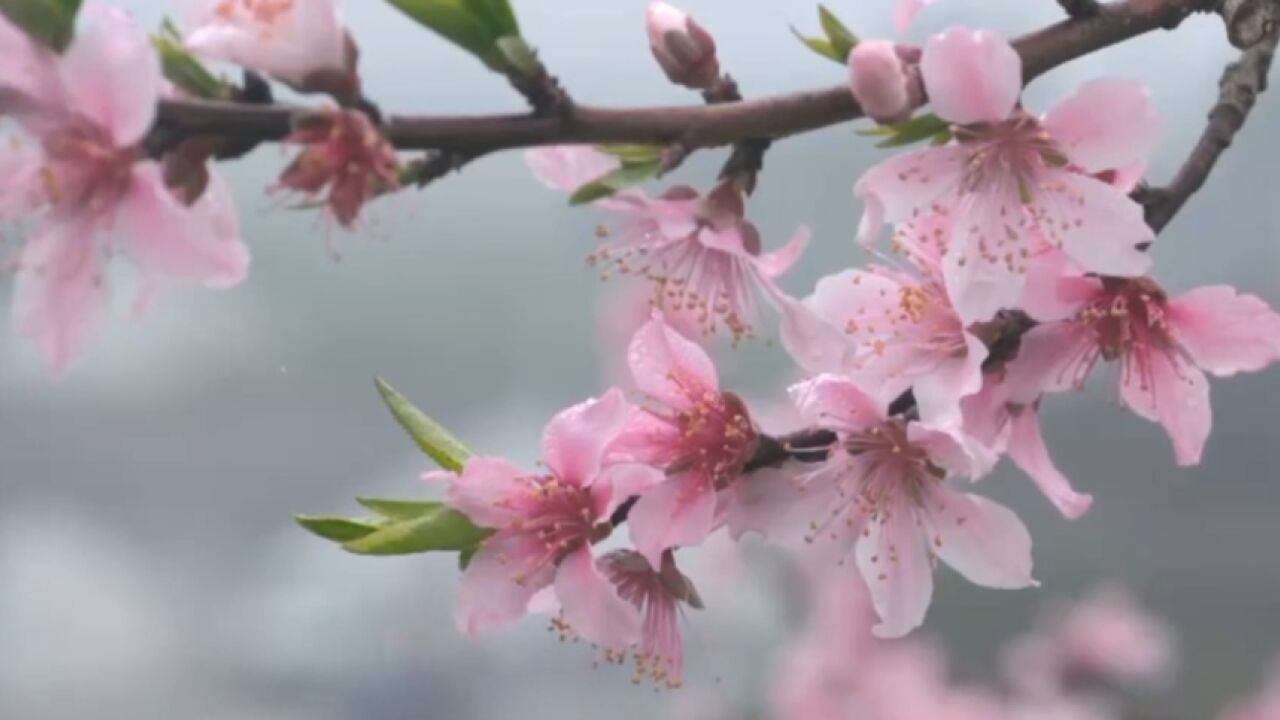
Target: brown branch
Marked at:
699, 127
1242, 82
1080, 8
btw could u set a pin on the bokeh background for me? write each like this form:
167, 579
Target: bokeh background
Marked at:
148, 563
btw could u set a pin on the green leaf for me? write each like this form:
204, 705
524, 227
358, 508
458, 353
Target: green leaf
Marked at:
519, 56
633, 153
821, 46
430, 435
628, 175
337, 529
841, 38
464, 557
497, 15
399, 509
917, 129
182, 68
442, 528
472, 25
51, 23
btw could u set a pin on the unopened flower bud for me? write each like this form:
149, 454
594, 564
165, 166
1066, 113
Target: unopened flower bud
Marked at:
686, 51
880, 81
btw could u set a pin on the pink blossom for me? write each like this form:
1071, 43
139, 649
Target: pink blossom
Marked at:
683, 48
1105, 640
701, 256
657, 595
1266, 706
1163, 346
700, 436
302, 42
881, 495
1013, 185
892, 329
95, 196
345, 153
906, 12
545, 526
880, 81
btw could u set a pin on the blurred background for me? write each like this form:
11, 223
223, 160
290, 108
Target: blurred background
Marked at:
149, 566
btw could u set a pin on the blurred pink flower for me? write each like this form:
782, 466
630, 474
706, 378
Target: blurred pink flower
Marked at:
1266, 706
91, 108
302, 42
1105, 641
881, 495
703, 258
1013, 185
546, 524
345, 153
683, 48
1163, 345
906, 12
699, 435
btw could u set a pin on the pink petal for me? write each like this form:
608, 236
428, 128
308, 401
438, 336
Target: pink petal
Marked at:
1028, 451
778, 504
982, 540
1108, 124
484, 488
971, 76
895, 565
495, 589
574, 442
569, 167
60, 297
905, 12
20, 182
773, 264
591, 604
679, 512
951, 450
669, 368
1225, 332
815, 344
981, 286
1172, 393
1045, 361
1097, 225
626, 481
111, 74
938, 393
308, 37
838, 403
169, 241
907, 185
1055, 289
646, 438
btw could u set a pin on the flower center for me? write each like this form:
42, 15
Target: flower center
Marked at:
84, 172
262, 11
716, 436
1017, 148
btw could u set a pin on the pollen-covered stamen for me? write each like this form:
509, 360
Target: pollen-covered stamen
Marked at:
716, 436
1127, 322
263, 11
84, 171
560, 516
659, 657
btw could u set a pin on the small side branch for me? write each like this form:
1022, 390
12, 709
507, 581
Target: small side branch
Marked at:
1242, 82
1080, 8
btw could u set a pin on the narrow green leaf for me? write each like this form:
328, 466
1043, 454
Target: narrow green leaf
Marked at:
841, 38
461, 25
337, 529
430, 435
497, 15
399, 509
633, 153
821, 46
628, 175
918, 129
51, 23
183, 69
464, 556
440, 529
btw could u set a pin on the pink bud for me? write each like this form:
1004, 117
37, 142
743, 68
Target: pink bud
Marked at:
686, 52
880, 80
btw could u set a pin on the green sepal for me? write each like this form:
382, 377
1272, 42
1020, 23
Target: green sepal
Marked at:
431, 436
51, 23
629, 174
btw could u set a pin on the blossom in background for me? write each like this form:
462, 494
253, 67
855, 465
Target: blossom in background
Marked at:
95, 198
302, 42
685, 51
701, 437
1163, 345
545, 524
891, 329
1266, 706
905, 12
345, 153
702, 256
880, 81
1012, 185
658, 595
1105, 642
881, 495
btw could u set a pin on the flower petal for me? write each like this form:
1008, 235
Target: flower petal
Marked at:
971, 76
498, 585
895, 565
775, 263
905, 12
679, 512
668, 367
1027, 449
574, 442
982, 540
1108, 124
1171, 392
1048, 361
984, 268
938, 393
907, 185
111, 74
307, 37
1097, 225
1055, 289
484, 489
1225, 332
591, 605
836, 402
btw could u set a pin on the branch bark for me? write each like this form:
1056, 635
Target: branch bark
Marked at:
698, 127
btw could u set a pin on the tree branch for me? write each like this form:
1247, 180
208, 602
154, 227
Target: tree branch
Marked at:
698, 127
1242, 82
1080, 8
